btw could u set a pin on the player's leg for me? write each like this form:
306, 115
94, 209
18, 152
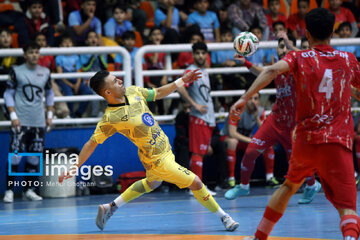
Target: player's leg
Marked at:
339, 186
264, 138
300, 165
269, 158
35, 142
105, 211
231, 145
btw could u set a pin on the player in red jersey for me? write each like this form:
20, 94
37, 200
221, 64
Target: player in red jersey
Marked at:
277, 127
323, 136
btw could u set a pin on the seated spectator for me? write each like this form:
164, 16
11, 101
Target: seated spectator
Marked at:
343, 15
70, 87
271, 56
17, 20
223, 18
115, 27
207, 21
277, 27
136, 15
84, 20
260, 56
296, 21
167, 17
274, 15
244, 14
37, 21
185, 59
156, 61
224, 58
345, 31
61, 109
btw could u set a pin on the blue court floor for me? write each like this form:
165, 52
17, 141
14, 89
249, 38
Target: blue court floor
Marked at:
159, 215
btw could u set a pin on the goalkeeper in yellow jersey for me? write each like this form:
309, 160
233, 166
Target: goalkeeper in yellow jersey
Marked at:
128, 114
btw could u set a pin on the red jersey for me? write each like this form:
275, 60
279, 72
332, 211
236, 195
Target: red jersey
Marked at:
283, 110
344, 15
296, 23
323, 88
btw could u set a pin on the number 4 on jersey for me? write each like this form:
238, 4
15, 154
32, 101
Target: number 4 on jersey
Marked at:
326, 85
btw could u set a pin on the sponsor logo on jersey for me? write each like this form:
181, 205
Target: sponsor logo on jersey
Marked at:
148, 120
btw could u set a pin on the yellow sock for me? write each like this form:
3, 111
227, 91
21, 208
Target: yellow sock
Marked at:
205, 199
136, 190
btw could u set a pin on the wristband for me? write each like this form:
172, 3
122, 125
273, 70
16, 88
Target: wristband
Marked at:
13, 116
179, 82
50, 114
248, 64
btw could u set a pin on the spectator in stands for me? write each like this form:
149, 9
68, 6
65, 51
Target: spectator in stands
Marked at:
185, 59
70, 87
16, 19
84, 20
345, 31
27, 114
271, 54
6, 62
259, 57
343, 15
223, 18
167, 17
37, 21
61, 109
156, 61
93, 63
304, 44
296, 21
207, 21
244, 14
115, 27
136, 15
278, 26
274, 15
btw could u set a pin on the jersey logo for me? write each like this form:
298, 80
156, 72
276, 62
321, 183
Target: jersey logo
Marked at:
147, 119
125, 118
137, 98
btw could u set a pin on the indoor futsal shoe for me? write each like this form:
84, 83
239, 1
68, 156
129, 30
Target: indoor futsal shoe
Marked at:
105, 211
236, 191
309, 193
229, 223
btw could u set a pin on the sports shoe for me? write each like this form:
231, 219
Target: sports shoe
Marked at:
31, 195
105, 211
236, 191
309, 193
231, 182
8, 196
229, 223
272, 183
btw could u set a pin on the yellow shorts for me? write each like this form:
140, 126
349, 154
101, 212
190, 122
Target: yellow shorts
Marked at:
170, 171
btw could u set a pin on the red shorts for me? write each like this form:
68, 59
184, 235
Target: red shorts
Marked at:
199, 135
334, 165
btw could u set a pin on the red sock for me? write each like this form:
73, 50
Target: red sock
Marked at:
196, 165
269, 156
310, 180
231, 159
248, 163
267, 223
350, 226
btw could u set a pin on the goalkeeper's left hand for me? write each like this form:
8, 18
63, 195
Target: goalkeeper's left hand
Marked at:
192, 76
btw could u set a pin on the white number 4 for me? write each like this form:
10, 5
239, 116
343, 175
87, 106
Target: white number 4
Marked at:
326, 85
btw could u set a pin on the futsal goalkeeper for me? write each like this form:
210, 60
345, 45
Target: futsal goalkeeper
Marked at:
128, 114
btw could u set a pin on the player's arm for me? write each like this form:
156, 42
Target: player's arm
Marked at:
254, 69
233, 133
85, 153
264, 79
185, 95
9, 98
189, 77
49, 100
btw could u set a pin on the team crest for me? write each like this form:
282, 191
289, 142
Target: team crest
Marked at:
148, 120
137, 98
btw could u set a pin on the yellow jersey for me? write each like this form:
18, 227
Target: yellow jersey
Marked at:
135, 121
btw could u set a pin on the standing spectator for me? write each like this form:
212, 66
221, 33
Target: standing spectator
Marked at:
274, 14
296, 21
70, 87
93, 63
24, 100
84, 20
343, 15
37, 21
115, 27
167, 17
207, 21
202, 116
244, 14
61, 109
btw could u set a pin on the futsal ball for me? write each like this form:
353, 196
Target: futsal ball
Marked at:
246, 44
